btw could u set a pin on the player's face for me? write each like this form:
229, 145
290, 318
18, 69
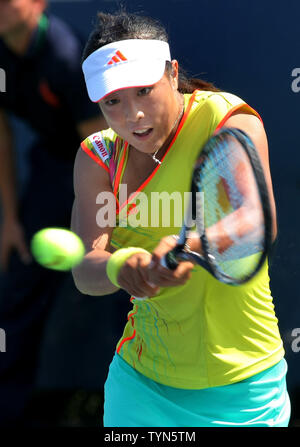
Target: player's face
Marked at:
144, 116
14, 14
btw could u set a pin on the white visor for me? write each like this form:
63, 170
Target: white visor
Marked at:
123, 64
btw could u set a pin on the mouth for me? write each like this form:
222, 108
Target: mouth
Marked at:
142, 133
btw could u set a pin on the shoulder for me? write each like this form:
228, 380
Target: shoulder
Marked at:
102, 145
88, 180
216, 100
214, 108
101, 141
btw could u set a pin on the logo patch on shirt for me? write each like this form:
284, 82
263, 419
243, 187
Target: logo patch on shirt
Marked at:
99, 146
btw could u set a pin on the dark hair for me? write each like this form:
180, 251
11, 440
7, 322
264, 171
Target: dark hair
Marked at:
121, 26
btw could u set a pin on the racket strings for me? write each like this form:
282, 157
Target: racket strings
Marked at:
232, 215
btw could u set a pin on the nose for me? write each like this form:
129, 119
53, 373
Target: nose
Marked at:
133, 112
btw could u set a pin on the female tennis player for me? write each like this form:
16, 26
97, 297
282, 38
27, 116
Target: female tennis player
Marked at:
196, 352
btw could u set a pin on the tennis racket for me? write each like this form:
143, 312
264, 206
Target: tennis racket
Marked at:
229, 211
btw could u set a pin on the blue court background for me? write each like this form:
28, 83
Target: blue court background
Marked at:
248, 48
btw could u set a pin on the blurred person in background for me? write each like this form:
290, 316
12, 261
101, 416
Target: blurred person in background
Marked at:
44, 87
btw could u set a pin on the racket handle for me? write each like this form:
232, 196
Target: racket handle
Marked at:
169, 261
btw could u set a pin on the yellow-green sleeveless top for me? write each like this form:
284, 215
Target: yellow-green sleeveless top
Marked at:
204, 333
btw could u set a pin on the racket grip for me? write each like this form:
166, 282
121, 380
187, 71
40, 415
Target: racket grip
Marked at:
169, 261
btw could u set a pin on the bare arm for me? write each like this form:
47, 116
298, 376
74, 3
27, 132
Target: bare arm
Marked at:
90, 180
254, 128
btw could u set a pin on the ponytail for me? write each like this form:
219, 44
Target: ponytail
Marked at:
189, 85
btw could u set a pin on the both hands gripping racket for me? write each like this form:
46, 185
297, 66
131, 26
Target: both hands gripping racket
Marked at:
229, 215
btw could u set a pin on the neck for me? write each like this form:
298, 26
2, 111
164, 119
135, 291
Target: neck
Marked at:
18, 39
166, 144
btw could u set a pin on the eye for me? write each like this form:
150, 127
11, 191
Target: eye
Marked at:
145, 91
111, 101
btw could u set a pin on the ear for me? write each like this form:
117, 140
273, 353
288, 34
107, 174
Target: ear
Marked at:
174, 74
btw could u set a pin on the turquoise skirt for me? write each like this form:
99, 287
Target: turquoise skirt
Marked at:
133, 400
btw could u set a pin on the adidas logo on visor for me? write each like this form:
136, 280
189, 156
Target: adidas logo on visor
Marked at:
117, 58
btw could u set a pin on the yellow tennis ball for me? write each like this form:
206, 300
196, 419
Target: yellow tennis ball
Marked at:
57, 248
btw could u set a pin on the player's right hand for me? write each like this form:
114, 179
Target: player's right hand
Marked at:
164, 276
143, 275
133, 276
12, 238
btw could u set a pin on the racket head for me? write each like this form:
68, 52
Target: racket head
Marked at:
236, 203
